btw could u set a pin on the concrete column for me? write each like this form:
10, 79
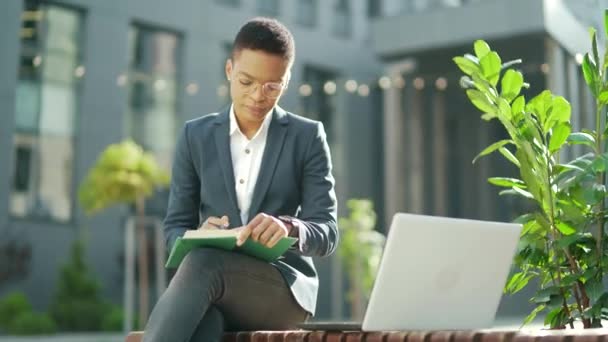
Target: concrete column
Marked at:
440, 155
415, 153
9, 65
394, 140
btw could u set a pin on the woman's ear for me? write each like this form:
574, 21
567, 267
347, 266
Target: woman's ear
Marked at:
228, 68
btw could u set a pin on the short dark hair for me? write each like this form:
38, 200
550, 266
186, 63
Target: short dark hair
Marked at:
265, 34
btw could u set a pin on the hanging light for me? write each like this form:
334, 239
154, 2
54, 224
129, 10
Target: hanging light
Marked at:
351, 86
579, 58
544, 68
384, 82
79, 71
399, 81
121, 80
329, 87
363, 90
37, 61
192, 88
305, 90
441, 83
419, 83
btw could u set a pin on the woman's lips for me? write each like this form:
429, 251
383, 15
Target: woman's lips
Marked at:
255, 110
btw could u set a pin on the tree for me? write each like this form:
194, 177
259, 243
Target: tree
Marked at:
124, 173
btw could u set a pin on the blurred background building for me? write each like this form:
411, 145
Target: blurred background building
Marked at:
77, 75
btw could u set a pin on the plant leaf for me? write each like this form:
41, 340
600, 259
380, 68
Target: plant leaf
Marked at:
492, 148
506, 182
511, 84
594, 289
559, 136
517, 282
481, 48
539, 105
581, 138
467, 66
517, 106
565, 228
507, 154
603, 96
490, 67
560, 110
568, 240
596, 55
481, 101
533, 314
590, 75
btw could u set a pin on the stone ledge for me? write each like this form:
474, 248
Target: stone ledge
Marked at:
578, 335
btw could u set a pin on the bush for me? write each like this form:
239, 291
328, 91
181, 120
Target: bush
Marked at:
32, 323
77, 305
113, 319
12, 306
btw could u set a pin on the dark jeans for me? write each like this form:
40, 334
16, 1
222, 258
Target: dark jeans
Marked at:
215, 291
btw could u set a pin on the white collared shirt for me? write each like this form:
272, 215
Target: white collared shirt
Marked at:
246, 161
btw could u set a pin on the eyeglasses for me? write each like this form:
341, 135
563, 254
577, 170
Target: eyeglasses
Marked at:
271, 90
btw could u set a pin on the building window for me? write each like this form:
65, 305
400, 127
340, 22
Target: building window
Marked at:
374, 8
269, 8
231, 3
154, 90
342, 18
307, 12
318, 98
46, 110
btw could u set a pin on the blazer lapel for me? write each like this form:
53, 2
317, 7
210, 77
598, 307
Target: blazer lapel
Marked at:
270, 158
222, 143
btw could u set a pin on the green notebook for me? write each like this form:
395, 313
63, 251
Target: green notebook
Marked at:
224, 239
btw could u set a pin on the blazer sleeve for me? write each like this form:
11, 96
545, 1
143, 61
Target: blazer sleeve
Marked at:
317, 220
184, 195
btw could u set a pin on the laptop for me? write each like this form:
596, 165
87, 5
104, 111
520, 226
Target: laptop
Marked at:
437, 273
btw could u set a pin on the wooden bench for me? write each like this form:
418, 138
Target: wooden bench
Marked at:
578, 335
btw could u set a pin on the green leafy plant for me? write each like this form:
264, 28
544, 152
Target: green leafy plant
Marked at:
32, 323
360, 250
124, 173
11, 306
77, 305
17, 317
563, 241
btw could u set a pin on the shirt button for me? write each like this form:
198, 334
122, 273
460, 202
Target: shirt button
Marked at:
242, 181
247, 151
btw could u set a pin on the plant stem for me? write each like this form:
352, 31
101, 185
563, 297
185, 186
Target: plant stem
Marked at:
142, 261
601, 179
554, 233
561, 292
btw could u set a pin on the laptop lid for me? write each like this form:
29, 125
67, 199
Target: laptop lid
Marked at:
441, 273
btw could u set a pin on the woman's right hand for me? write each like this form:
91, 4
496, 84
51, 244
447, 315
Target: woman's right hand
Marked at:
213, 222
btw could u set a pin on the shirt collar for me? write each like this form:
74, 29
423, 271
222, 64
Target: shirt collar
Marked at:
234, 127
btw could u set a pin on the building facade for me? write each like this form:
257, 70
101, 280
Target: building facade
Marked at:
432, 132
78, 75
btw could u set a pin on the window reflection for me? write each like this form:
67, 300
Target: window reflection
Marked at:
46, 110
342, 18
151, 116
307, 12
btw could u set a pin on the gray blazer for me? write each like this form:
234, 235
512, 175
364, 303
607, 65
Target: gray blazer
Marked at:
295, 179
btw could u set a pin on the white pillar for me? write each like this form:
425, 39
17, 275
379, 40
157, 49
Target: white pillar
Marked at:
439, 155
394, 177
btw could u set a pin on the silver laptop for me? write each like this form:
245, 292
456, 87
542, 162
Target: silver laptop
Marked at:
437, 273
